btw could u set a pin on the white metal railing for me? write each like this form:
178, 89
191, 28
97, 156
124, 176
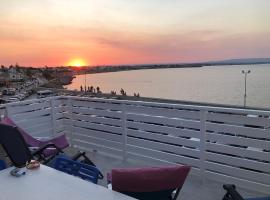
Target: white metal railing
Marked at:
226, 144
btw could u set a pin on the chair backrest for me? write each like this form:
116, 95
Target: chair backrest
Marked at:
84, 171
14, 145
150, 183
60, 141
2, 165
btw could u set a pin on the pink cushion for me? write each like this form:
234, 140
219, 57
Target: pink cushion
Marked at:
149, 179
60, 141
28, 139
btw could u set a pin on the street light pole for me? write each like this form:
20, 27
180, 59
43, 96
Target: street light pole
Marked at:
85, 81
245, 94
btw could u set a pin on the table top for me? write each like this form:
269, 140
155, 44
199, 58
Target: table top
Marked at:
47, 183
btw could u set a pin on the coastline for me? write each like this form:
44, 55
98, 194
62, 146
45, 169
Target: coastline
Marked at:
109, 69
66, 92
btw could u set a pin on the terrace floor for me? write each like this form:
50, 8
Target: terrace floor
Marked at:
193, 189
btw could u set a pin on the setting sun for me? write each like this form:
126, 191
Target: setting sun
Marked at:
78, 62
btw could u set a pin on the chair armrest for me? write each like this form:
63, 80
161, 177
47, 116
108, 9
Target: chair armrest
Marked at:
231, 193
86, 160
40, 150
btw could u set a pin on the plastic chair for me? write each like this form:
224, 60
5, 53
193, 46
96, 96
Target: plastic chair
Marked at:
75, 168
2, 165
159, 183
59, 142
232, 194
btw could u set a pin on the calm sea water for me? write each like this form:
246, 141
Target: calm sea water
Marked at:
213, 84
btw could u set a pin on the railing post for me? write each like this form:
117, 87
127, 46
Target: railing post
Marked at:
3, 112
6, 112
124, 119
203, 114
70, 119
53, 119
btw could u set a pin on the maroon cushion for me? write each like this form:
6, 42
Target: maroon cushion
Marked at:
60, 141
149, 179
28, 139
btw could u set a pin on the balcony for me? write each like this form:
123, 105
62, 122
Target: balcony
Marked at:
223, 145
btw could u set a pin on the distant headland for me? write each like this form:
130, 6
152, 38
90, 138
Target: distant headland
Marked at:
117, 68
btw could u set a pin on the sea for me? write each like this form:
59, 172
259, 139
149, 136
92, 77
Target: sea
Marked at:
209, 84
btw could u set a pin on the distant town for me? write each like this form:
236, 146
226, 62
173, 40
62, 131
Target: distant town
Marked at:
19, 82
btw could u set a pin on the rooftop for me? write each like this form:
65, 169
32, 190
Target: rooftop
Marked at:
194, 188
223, 145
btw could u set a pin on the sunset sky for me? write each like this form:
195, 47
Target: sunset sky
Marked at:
98, 32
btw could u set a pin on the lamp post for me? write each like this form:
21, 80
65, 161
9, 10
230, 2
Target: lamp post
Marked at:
85, 81
245, 94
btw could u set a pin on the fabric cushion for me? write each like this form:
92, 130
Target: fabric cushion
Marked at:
28, 139
61, 141
148, 179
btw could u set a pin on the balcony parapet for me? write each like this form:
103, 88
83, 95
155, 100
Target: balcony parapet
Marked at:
230, 145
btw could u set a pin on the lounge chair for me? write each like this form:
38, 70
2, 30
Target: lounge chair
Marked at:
17, 150
14, 145
75, 168
59, 142
232, 194
159, 183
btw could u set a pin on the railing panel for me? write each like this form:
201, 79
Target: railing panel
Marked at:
98, 120
228, 144
28, 123
80, 144
164, 138
37, 127
28, 107
239, 119
238, 141
162, 111
238, 152
177, 132
164, 156
44, 133
255, 186
240, 162
164, 121
98, 134
89, 103
238, 172
97, 141
98, 112
61, 109
164, 147
36, 116
31, 114
251, 132
98, 127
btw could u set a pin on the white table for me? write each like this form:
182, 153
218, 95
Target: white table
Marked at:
47, 183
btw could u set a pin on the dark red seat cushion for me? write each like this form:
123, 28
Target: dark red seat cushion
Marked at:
149, 179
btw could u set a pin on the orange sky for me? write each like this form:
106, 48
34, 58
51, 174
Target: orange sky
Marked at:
53, 33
